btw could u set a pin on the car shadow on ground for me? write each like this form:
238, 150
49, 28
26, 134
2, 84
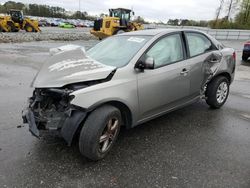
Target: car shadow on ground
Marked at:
140, 140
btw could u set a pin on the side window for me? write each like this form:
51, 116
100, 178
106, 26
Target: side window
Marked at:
198, 44
167, 50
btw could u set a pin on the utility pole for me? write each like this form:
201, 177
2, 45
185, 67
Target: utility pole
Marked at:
79, 5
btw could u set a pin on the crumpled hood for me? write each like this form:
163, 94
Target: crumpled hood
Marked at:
70, 66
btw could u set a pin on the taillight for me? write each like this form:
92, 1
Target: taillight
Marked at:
234, 56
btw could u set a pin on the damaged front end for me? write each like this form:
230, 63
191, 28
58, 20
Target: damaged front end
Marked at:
68, 69
50, 110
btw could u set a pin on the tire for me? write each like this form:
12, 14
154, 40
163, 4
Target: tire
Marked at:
12, 27
96, 140
119, 32
16, 30
244, 58
29, 28
218, 84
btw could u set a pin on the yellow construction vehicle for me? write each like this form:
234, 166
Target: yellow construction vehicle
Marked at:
118, 21
3, 25
15, 22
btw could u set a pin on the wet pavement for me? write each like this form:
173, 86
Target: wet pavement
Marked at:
191, 147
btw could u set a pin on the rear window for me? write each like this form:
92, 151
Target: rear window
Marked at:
198, 44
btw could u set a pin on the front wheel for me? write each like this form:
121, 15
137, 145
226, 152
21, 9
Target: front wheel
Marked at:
217, 92
99, 132
29, 28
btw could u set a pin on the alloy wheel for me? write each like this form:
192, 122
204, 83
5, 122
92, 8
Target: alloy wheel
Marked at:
109, 134
222, 92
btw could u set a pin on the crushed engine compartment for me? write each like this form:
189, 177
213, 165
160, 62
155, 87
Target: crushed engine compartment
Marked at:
50, 107
49, 110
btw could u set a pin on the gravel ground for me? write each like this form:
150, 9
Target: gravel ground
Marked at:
47, 34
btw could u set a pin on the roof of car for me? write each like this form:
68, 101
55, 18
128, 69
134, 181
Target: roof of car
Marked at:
153, 32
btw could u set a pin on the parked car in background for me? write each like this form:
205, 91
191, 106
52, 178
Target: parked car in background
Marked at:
72, 22
55, 23
89, 23
43, 23
66, 25
81, 23
126, 80
246, 51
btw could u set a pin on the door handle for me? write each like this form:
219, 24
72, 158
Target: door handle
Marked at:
184, 72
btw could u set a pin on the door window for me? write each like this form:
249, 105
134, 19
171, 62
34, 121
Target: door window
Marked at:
198, 44
167, 51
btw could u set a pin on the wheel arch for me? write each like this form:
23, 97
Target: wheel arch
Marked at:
225, 74
124, 109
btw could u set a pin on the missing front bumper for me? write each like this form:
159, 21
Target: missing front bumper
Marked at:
66, 129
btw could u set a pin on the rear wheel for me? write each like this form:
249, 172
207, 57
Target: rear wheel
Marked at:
100, 132
217, 92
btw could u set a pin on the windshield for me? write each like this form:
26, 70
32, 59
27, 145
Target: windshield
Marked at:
117, 51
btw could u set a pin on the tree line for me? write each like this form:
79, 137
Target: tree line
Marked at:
43, 11
50, 11
230, 14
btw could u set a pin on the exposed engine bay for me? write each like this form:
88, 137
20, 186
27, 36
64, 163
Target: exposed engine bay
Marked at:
50, 107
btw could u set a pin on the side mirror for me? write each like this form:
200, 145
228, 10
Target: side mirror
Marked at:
145, 63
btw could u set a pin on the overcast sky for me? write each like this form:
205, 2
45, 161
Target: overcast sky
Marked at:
150, 9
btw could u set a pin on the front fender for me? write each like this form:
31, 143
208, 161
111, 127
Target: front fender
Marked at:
113, 91
71, 124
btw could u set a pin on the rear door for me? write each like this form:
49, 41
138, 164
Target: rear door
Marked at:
202, 54
168, 84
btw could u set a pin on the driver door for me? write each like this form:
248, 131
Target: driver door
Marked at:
168, 84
